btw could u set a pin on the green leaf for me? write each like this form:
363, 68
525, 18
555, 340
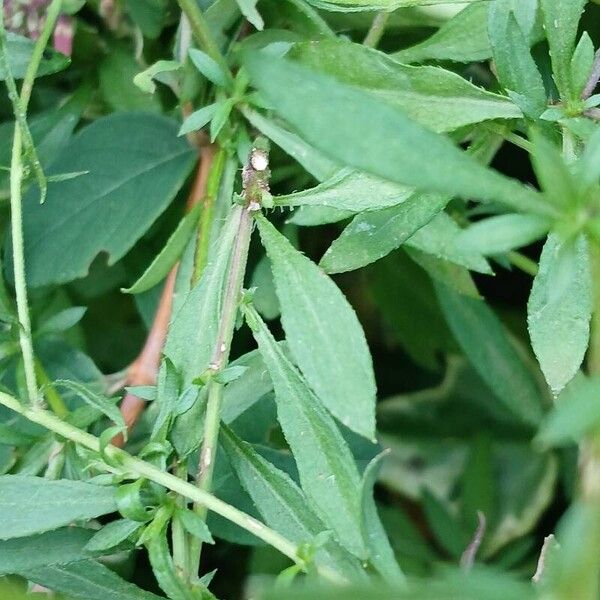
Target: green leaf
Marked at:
576, 413
438, 99
555, 178
198, 119
309, 216
145, 79
112, 535
193, 330
88, 580
133, 160
349, 190
365, 132
282, 504
67, 545
503, 233
372, 235
169, 255
463, 38
327, 470
445, 527
117, 73
195, 525
323, 333
561, 20
486, 344
30, 505
441, 238
62, 321
381, 554
318, 165
222, 112
560, 308
208, 67
105, 405
248, 9
148, 15
20, 50
582, 63
517, 71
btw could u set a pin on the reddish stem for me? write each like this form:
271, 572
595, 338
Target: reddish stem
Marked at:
144, 368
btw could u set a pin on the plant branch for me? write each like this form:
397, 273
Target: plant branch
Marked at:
131, 465
255, 178
377, 29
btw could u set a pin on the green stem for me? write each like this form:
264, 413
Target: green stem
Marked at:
523, 262
201, 32
140, 468
52, 14
377, 29
208, 208
179, 535
16, 222
218, 362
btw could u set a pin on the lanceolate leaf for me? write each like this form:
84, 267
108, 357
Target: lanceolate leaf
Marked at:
169, 255
464, 38
516, 68
438, 99
503, 233
486, 344
133, 160
282, 504
365, 132
87, 580
323, 334
561, 20
30, 505
373, 235
559, 309
349, 190
381, 554
20, 50
327, 471
66, 544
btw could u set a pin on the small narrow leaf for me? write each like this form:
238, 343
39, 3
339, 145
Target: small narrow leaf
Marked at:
198, 119
349, 190
327, 470
486, 344
169, 255
576, 413
502, 233
282, 504
323, 334
373, 235
381, 554
20, 50
195, 525
248, 9
208, 67
30, 505
365, 132
112, 535
561, 20
105, 405
145, 79
559, 309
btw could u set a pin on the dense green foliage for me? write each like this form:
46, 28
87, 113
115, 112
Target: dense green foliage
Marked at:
298, 299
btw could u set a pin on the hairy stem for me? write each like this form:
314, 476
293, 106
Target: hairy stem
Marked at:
255, 178
131, 465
